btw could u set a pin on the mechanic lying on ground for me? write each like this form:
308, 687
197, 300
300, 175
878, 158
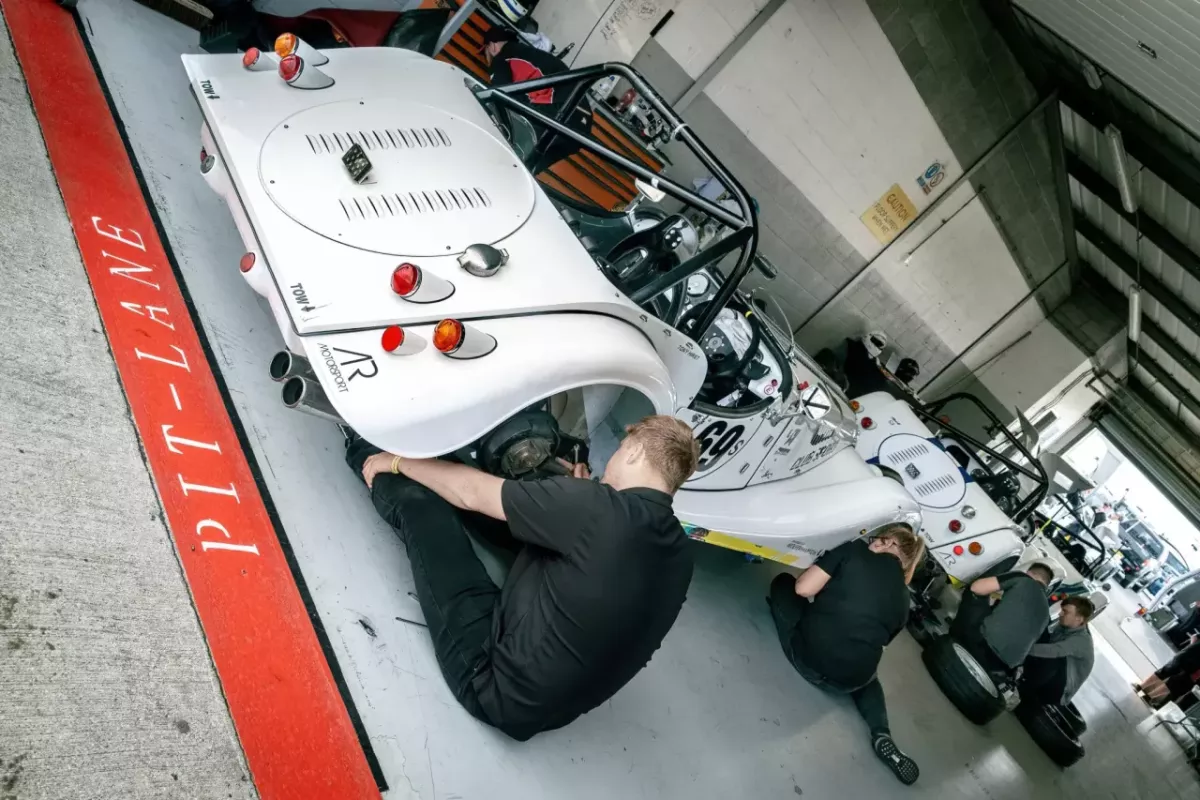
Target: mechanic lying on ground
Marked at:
1000, 636
513, 61
1062, 658
836, 618
599, 583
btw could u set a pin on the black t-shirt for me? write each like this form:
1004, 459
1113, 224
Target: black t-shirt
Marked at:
586, 603
860, 610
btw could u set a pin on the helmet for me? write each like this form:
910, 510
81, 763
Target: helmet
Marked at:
876, 342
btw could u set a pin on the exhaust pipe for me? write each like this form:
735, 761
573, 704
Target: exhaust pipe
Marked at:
286, 364
307, 395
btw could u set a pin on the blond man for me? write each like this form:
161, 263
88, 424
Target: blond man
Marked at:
599, 580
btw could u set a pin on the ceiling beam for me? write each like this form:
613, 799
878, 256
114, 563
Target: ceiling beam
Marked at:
1110, 297
1177, 390
1162, 238
1129, 265
1172, 164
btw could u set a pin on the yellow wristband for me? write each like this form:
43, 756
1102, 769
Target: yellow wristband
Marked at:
396, 465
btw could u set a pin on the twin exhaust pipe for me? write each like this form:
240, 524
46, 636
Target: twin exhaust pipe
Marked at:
301, 389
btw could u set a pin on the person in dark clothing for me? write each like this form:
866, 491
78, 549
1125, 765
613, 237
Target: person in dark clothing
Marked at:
836, 618
1062, 658
1000, 635
864, 374
511, 60
600, 580
1174, 681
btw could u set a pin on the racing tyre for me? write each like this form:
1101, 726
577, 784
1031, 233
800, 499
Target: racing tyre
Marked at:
1073, 720
1049, 729
963, 680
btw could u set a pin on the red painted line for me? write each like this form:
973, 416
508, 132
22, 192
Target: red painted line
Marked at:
293, 725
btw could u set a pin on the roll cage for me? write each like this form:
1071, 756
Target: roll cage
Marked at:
743, 235
1034, 471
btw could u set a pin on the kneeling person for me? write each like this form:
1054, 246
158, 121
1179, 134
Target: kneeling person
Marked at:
590, 597
836, 618
1063, 657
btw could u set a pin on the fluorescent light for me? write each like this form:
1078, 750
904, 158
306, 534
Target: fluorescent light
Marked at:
1135, 313
1116, 145
1092, 76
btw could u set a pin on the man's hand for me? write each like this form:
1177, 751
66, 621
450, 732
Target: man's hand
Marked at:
576, 470
375, 465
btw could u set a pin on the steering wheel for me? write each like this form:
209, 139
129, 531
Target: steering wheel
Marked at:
723, 363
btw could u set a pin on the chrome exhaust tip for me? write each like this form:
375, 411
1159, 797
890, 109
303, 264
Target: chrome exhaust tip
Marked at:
306, 395
286, 364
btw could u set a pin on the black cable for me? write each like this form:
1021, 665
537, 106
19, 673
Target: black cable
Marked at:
583, 44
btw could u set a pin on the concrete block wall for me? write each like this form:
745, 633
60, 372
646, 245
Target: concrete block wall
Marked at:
976, 91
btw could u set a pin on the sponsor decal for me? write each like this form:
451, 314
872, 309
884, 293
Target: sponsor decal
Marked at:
336, 358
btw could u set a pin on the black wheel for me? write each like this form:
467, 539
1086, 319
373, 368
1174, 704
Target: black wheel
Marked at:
519, 445
1074, 720
1049, 728
963, 680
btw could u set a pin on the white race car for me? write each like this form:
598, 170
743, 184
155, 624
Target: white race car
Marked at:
432, 296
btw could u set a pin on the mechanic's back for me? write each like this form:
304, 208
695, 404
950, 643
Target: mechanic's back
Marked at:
1001, 635
578, 621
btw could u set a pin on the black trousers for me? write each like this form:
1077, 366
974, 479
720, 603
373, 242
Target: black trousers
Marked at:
456, 594
1044, 680
787, 609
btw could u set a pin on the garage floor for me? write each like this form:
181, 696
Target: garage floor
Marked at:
717, 714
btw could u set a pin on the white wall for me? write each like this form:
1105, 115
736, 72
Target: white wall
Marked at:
701, 29
601, 30
820, 91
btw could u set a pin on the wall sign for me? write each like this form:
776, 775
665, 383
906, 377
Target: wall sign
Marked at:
932, 177
890, 214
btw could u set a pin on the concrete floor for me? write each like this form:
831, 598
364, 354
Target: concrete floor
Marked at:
717, 714
106, 687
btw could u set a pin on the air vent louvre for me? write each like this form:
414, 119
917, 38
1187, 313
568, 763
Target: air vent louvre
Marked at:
373, 140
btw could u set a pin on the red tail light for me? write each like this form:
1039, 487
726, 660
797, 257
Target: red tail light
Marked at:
250, 57
448, 335
392, 339
406, 279
247, 262
958, 549
868, 423
289, 68
955, 526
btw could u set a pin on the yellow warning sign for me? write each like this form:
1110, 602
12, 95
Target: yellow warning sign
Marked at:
891, 214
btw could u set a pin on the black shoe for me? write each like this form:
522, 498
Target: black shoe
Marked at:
904, 767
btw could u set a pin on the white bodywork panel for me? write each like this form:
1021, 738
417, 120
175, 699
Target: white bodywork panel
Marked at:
390, 393
443, 178
795, 520
900, 441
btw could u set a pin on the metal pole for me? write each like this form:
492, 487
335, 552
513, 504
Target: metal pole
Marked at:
731, 50
454, 24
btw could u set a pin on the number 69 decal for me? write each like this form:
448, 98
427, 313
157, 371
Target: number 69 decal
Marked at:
716, 441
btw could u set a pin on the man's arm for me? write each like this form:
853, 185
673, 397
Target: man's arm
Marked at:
985, 586
811, 581
1067, 647
460, 485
